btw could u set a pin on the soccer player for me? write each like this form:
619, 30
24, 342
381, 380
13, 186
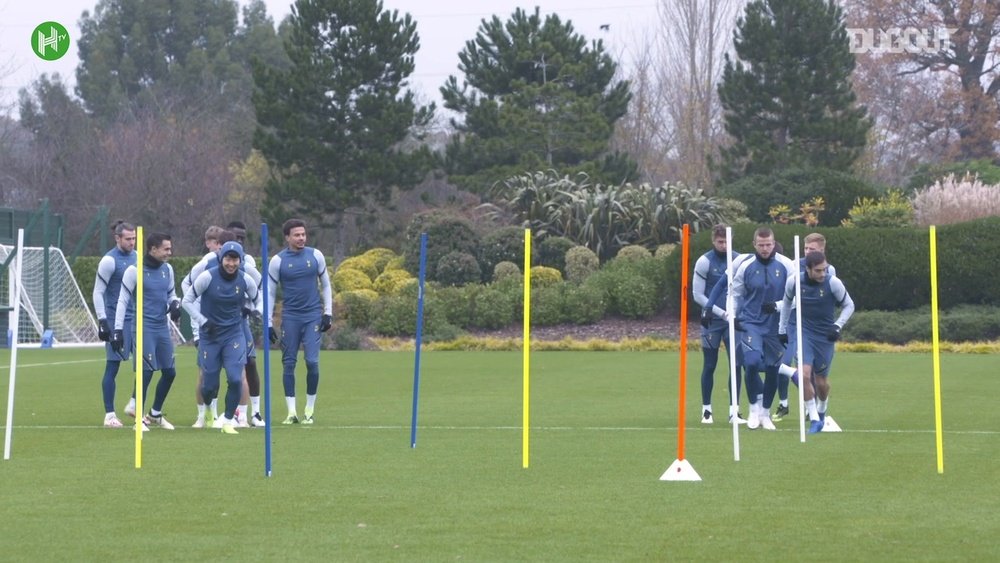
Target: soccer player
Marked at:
107, 285
213, 234
301, 271
814, 242
708, 270
758, 288
820, 295
252, 377
216, 302
158, 302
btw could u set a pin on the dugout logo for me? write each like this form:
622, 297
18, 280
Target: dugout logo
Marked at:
50, 41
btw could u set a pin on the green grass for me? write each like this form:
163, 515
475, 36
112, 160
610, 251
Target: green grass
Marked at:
603, 431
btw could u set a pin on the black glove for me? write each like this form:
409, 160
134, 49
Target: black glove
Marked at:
706, 317
195, 342
103, 330
207, 328
118, 341
783, 338
738, 325
272, 335
251, 313
326, 323
174, 310
834, 334
768, 308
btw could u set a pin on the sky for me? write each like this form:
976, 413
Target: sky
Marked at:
443, 25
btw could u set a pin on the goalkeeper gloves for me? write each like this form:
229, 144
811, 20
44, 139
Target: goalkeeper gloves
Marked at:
834, 334
326, 324
103, 330
174, 310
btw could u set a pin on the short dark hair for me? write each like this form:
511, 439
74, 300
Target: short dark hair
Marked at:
226, 236
814, 259
154, 240
763, 232
718, 231
238, 229
292, 224
120, 226
236, 225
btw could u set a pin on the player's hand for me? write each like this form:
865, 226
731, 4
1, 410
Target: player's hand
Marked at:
252, 314
783, 338
103, 330
208, 328
195, 340
174, 310
118, 341
326, 323
272, 335
738, 325
706, 317
768, 308
834, 334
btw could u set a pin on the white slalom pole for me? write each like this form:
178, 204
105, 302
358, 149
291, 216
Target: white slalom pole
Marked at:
15, 281
798, 342
730, 312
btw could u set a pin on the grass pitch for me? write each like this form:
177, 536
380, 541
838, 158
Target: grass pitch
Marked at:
603, 429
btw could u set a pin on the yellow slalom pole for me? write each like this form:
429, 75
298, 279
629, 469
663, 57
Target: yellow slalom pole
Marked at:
138, 346
936, 353
526, 347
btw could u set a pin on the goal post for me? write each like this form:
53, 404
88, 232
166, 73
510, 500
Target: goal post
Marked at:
53, 311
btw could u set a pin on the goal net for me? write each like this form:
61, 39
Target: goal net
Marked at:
60, 300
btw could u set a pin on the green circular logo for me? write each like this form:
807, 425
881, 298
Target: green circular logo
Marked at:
50, 41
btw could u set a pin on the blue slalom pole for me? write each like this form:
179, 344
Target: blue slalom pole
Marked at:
420, 333
266, 341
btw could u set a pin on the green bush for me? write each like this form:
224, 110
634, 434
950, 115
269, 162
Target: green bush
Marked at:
458, 268
361, 264
543, 276
502, 245
452, 304
506, 270
395, 315
355, 307
446, 232
583, 304
581, 262
390, 281
985, 169
381, 257
964, 323
548, 305
891, 210
633, 252
552, 252
626, 290
349, 279
346, 338
491, 308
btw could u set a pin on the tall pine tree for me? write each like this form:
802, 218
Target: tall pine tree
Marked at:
787, 96
331, 124
536, 96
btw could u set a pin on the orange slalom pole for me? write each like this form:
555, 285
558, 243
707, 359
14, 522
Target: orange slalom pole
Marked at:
685, 255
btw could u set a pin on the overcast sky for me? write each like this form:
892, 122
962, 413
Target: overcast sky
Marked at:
444, 27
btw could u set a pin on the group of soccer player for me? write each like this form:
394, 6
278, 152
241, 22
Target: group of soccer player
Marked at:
221, 294
764, 301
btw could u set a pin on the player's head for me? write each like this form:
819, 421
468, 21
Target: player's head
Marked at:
295, 233
816, 266
815, 242
230, 258
124, 235
212, 242
763, 242
239, 229
159, 247
719, 238
226, 236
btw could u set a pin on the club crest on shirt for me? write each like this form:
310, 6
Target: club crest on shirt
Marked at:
821, 293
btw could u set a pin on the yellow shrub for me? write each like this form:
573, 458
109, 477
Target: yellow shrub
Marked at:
391, 281
362, 264
348, 279
380, 257
543, 276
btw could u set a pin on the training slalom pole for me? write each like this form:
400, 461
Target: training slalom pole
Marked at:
526, 352
681, 469
137, 358
15, 284
936, 353
266, 345
798, 344
420, 337
731, 313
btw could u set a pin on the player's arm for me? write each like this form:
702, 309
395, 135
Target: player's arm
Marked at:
273, 272
105, 269
254, 294
844, 300
324, 279
125, 296
192, 301
787, 306
698, 280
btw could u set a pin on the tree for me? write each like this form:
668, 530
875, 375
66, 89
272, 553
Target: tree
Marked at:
952, 85
787, 96
331, 124
534, 96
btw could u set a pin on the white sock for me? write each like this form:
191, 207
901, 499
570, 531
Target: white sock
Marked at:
255, 404
215, 408
783, 402
786, 370
290, 402
706, 408
821, 405
131, 404
310, 403
811, 409
109, 416
201, 412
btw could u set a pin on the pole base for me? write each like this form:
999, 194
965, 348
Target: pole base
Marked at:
680, 470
